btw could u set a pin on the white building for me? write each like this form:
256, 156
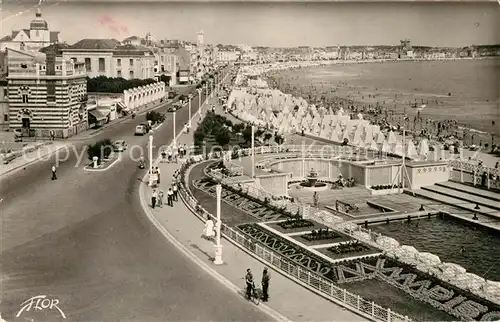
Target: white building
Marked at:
4, 104
33, 39
108, 57
46, 93
228, 56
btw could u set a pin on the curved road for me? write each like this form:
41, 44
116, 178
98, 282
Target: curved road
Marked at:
85, 241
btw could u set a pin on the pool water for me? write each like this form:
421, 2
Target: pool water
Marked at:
474, 248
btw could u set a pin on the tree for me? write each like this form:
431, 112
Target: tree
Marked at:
247, 133
103, 84
101, 149
267, 136
237, 128
279, 139
223, 137
165, 78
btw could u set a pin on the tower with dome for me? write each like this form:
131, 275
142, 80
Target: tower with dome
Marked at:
33, 39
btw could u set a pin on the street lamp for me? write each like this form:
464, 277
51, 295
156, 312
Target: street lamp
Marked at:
218, 247
253, 152
173, 129
150, 147
200, 90
189, 111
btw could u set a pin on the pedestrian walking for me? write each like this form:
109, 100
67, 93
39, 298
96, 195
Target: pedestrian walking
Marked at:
158, 174
249, 283
175, 191
54, 175
154, 196
52, 135
169, 153
185, 149
265, 285
208, 231
188, 127
170, 196
160, 198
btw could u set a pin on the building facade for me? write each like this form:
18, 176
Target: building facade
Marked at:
4, 103
228, 56
33, 39
46, 93
166, 64
108, 57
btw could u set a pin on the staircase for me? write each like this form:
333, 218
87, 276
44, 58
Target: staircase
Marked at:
462, 196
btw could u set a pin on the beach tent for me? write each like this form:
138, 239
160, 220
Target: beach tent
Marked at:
368, 133
423, 148
316, 129
334, 136
357, 137
325, 132
380, 138
361, 144
391, 138
411, 150
386, 147
373, 146
398, 148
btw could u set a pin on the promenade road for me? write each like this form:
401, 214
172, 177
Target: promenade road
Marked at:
83, 240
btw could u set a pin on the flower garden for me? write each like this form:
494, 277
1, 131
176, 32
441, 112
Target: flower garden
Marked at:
362, 270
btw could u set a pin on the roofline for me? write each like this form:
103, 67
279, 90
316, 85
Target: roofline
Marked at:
26, 53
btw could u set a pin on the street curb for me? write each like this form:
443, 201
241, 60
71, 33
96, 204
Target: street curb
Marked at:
11, 171
286, 275
104, 169
186, 252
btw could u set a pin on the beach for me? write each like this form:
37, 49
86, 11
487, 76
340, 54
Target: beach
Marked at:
464, 91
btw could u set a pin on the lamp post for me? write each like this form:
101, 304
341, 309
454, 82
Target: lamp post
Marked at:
189, 112
218, 247
150, 146
174, 143
253, 152
200, 90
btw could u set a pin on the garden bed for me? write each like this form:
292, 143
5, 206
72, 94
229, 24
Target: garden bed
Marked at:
277, 227
352, 248
335, 237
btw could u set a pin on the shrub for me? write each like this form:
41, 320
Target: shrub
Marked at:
279, 139
103, 84
101, 149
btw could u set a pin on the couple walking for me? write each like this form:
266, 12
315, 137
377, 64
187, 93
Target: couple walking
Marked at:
251, 284
157, 196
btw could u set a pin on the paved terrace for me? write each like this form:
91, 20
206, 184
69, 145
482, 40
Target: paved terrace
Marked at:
401, 203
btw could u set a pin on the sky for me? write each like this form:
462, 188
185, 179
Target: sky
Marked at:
275, 24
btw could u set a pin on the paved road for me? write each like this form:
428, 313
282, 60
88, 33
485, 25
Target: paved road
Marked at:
84, 240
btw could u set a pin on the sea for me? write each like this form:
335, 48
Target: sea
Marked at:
464, 90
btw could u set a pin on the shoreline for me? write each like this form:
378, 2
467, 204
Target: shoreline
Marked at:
390, 104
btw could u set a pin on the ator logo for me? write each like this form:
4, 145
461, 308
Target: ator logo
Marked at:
40, 303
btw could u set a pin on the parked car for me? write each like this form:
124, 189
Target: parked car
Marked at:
140, 129
171, 95
120, 146
18, 135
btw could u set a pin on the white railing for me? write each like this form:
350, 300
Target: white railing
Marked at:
325, 287
473, 174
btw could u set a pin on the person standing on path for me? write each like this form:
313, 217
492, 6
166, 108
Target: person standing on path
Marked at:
158, 174
160, 198
265, 285
54, 175
174, 190
170, 196
249, 283
154, 195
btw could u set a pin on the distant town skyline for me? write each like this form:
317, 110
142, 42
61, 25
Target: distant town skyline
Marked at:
272, 24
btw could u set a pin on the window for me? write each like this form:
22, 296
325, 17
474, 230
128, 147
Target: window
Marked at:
131, 74
162, 68
6, 118
119, 73
88, 64
102, 65
131, 62
119, 62
74, 59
